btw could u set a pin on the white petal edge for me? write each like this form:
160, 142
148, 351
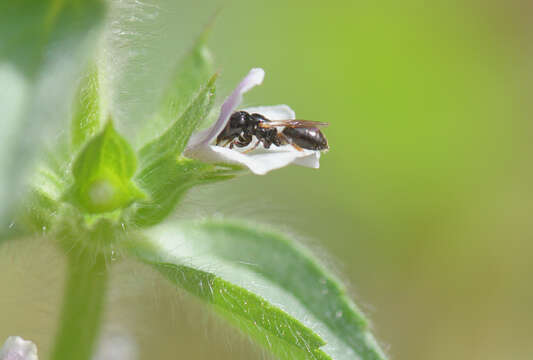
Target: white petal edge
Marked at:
255, 77
311, 161
273, 112
261, 162
16, 348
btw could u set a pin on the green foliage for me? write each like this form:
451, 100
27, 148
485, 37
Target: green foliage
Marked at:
87, 109
260, 281
173, 141
102, 174
83, 307
245, 273
193, 72
43, 47
167, 180
165, 175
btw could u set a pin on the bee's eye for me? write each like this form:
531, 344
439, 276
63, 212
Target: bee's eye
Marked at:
234, 119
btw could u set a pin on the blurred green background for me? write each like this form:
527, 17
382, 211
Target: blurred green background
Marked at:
422, 205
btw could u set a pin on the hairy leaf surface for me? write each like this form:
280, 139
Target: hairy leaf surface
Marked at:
265, 284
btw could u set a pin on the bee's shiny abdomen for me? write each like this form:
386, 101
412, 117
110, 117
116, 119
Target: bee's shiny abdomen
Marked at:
308, 138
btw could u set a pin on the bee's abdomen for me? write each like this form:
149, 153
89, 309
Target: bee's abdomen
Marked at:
307, 138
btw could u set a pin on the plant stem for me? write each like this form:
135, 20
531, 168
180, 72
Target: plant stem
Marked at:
87, 276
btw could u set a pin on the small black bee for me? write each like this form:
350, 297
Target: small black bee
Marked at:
301, 134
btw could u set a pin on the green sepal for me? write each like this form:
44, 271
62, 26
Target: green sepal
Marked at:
167, 180
173, 141
165, 175
102, 174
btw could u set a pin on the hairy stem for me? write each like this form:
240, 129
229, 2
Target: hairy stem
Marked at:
87, 276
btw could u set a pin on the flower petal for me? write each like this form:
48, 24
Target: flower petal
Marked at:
311, 161
16, 348
255, 77
273, 112
259, 162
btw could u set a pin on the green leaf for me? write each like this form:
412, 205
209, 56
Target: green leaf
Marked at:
265, 284
87, 109
42, 203
165, 175
172, 142
40, 208
102, 174
193, 71
44, 45
167, 180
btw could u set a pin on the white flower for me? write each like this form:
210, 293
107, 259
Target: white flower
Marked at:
16, 348
259, 161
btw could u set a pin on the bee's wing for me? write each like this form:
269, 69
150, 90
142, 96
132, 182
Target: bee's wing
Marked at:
292, 123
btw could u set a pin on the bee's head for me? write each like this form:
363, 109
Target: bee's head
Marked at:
237, 123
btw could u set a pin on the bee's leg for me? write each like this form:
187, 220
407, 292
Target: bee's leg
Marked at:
225, 144
297, 147
253, 147
244, 140
282, 139
229, 143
